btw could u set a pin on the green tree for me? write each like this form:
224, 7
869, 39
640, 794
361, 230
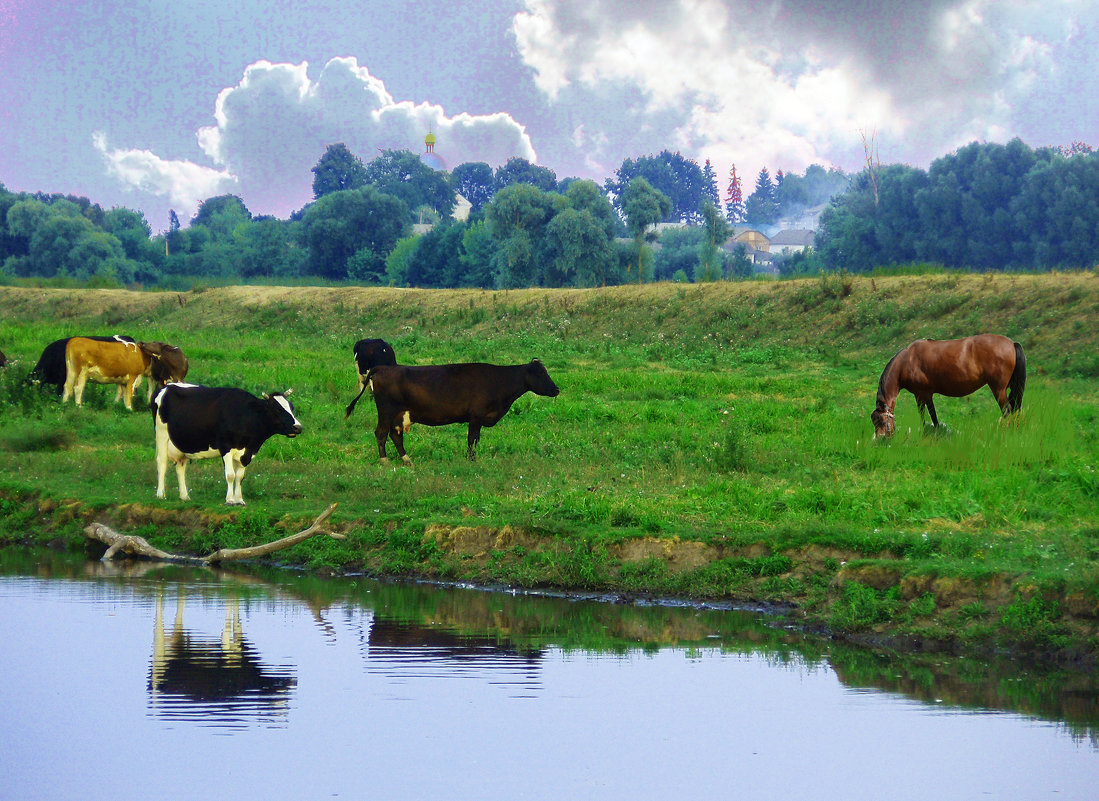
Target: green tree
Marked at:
760, 208
680, 179
710, 254
396, 263
401, 173
437, 261
576, 249
518, 170
478, 249
340, 224
644, 207
337, 169
475, 182
585, 195
221, 215
517, 218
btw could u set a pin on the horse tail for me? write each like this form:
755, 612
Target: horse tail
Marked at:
1017, 383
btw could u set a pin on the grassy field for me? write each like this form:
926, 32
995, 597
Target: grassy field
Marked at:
710, 441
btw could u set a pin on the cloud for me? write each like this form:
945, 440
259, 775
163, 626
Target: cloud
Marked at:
272, 127
796, 81
183, 183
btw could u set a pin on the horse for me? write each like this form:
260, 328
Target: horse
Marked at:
951, 367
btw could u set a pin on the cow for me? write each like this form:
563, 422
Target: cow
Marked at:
3, 359
50, 368
369, 353
194, 422
123, 363
475, 393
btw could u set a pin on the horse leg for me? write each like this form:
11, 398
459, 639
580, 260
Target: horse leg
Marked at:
931, 409
1000, 393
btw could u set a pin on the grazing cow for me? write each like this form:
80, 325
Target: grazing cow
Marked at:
3, 359
369, 353
50, 368
193, 422
478, 394
123, 363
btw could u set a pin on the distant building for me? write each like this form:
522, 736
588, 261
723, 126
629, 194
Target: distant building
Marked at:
794, 240
429, 156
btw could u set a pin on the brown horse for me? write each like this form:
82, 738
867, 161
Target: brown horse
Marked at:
951, 367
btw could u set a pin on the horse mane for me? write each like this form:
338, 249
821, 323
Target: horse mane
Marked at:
884, 373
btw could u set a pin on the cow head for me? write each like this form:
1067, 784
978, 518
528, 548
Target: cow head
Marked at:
372, 352
281, 414
539, 381
167, 362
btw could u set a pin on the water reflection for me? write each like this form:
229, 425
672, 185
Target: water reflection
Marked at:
212, 672
216, 680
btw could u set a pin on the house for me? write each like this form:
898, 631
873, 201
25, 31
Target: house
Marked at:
750, 237
794, 240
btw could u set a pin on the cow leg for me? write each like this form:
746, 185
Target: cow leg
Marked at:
128, 393
70, 383
398, 442
181, 477
380, 434
472, 439
234, 474
161, 431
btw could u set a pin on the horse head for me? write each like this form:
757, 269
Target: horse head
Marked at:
884, 421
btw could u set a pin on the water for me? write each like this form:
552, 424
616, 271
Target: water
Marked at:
157, 681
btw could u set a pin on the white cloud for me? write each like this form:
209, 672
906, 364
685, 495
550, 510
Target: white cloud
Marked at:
271, 128
795, 81
183, 183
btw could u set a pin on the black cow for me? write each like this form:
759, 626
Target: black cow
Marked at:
478, 394
193, 422
369, 353
3, 359
51, 367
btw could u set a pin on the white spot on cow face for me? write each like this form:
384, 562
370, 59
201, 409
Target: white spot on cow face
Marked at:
285, 404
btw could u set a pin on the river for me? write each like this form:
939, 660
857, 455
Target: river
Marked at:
151, 681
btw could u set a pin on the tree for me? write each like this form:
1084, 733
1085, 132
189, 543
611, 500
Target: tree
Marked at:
518, 170
717, 230
340, 224
644, 207
336, 170
401, 173
585, 195
478, 249
517, 218
436, 262
475, 182
221, 215
577, 250
760, 208
680, 179
734, 199
709, 183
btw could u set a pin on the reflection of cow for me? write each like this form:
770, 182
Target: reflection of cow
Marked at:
475, 393
369, 353
204, 676
124, 363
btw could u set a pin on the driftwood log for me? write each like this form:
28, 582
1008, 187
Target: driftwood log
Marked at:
138, 546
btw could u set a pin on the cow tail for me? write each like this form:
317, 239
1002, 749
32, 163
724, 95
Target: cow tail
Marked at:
1017, 383
351, 406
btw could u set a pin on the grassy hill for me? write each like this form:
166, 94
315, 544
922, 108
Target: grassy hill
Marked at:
710, 441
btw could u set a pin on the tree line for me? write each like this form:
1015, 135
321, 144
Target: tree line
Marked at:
391, 221
984, 207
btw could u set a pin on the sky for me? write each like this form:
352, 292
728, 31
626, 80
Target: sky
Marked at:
155, 106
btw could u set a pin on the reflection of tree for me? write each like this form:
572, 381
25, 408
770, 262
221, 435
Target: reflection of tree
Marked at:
207, 678
1070, 698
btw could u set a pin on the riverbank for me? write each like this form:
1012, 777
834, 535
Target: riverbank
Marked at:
710, 442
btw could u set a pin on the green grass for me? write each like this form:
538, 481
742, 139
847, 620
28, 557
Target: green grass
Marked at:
730, 421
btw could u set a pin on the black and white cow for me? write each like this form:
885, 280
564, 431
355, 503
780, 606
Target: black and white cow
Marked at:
193, 422
369, 353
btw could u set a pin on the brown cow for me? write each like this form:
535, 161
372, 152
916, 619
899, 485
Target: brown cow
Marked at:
476, 393
123, 363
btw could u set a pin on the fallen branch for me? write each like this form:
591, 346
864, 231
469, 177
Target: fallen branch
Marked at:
138, 546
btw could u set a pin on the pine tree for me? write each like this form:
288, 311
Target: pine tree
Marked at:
734, 199
709, 188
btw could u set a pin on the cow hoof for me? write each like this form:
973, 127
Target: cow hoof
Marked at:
406, 460
384, 460
234, 503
